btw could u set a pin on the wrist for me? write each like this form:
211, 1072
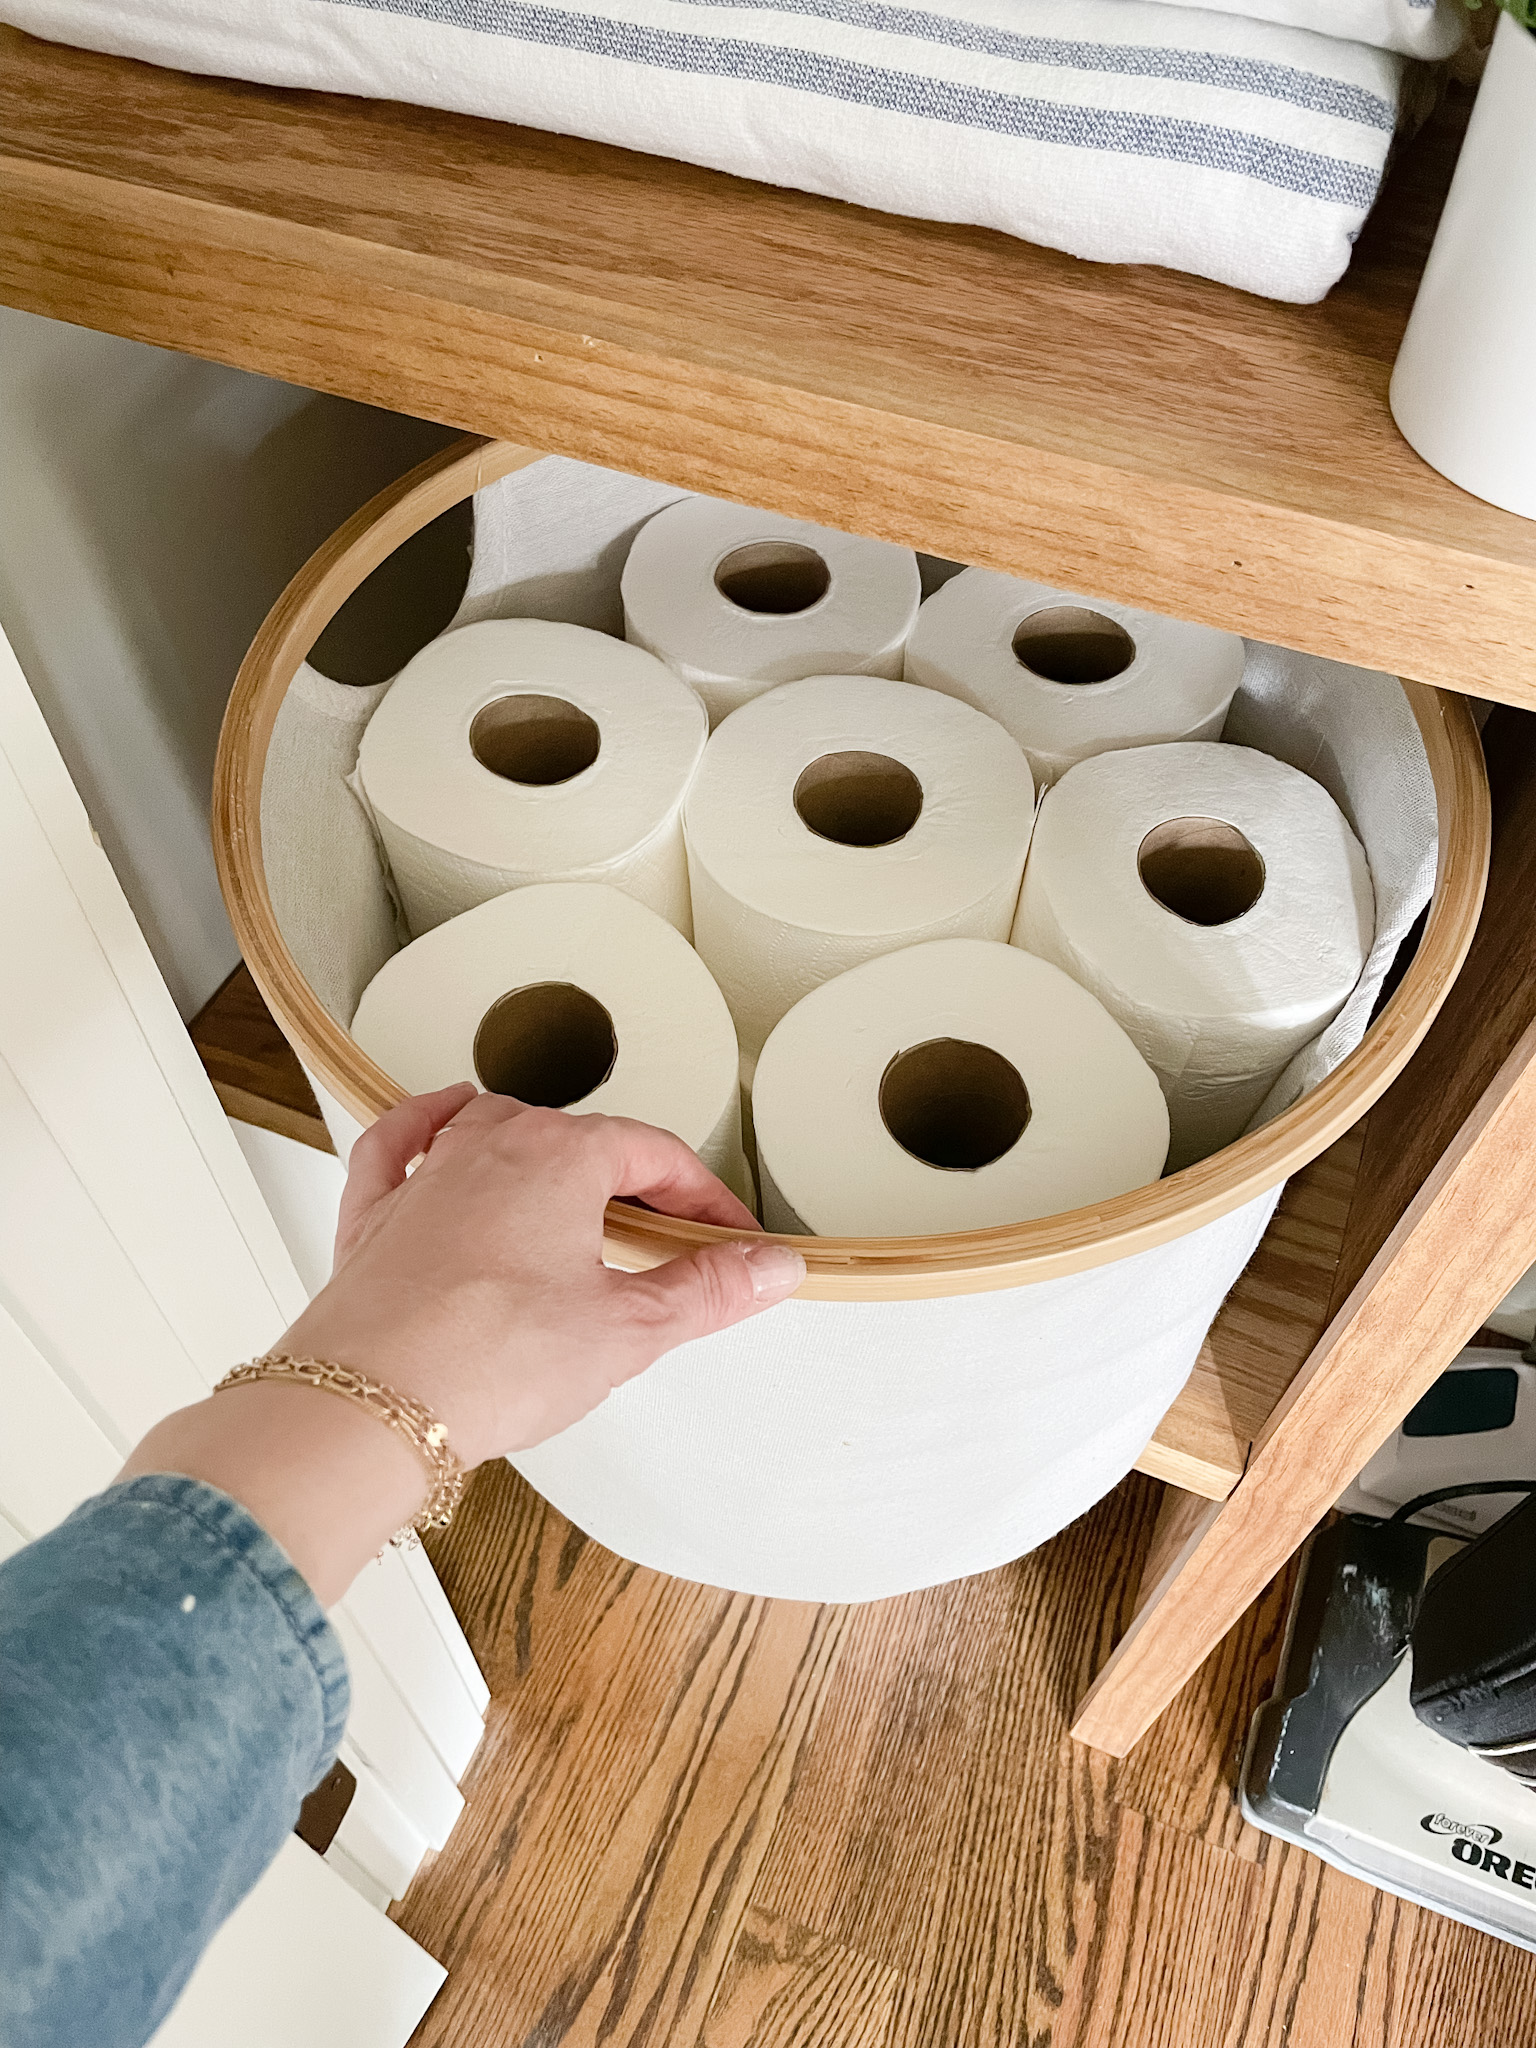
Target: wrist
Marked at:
403, 1362
329, 1482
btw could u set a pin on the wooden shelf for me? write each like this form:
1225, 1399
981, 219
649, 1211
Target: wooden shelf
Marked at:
255, 1072
1125, 431
1269, 1323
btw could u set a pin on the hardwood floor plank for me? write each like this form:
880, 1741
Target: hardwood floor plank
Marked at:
1175, 1914
639, 1762
1338, 1964
1428, 1980
1322, 1937
786, 1984
1077, 1831
1184, 1773
1354, 1929
916, 1827
1263, 2007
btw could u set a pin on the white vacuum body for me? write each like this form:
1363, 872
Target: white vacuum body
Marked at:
1337, 1760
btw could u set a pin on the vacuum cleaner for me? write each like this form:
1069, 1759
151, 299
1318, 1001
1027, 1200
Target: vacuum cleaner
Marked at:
1400, 1741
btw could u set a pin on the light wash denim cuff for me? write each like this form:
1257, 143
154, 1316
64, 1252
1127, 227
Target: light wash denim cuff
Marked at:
233, 1529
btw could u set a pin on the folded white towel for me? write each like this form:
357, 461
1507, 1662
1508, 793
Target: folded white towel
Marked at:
1430, 29
1128, 131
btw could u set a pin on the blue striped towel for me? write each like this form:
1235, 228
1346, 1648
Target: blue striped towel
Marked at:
1127, 131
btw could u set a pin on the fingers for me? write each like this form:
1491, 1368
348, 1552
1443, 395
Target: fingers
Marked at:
384, 1151
621, 1156
655, 1167
715, 1287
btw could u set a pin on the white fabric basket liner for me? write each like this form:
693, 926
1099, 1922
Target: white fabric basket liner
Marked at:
850, 1451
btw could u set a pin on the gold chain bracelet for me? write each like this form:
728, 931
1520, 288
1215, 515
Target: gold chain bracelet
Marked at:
411, 1419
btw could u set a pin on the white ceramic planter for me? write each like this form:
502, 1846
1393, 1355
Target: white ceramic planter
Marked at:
1463, 392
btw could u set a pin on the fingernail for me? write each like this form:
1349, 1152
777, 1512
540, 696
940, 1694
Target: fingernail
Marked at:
775, 1269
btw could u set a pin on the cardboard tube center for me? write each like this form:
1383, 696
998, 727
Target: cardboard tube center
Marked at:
954, 1104
1068, 643
536, 740
550, 1044
1201, 869
859, 799
773, 576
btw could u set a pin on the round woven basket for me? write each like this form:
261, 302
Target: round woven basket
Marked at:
839, 1269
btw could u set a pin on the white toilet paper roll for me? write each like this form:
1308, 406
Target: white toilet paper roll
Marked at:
842, 817
954, 1086
1216, 902
571, 995
736, 600
1072, 676
518, 751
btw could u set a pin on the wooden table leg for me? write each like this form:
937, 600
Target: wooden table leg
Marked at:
1466, 1238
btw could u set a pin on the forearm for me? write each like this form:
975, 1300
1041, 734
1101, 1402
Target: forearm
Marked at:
171, 1687
169, 1691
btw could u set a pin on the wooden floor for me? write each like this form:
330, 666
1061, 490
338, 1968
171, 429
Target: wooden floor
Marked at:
703, 1821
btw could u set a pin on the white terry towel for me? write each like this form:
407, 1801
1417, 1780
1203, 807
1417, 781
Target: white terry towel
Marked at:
1127, 131
1430, 29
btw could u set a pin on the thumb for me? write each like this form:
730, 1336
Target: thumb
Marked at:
710, 1290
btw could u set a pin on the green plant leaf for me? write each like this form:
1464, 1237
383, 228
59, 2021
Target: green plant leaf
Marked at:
1524, 11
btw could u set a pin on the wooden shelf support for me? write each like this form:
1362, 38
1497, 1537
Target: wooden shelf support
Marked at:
1462, 1242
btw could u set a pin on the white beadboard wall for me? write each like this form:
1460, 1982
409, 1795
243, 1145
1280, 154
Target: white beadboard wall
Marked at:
138, 1261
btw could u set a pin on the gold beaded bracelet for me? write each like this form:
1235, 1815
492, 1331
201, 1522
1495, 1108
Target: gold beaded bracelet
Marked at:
415, 1422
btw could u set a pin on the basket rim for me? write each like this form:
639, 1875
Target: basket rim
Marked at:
838, 1269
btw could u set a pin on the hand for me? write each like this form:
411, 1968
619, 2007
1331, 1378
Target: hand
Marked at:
477, 1284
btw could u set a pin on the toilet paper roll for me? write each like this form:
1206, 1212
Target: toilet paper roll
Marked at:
736, 600
842, 817
1072, 676
954, 1086
518, 751
1216, 902
571, 995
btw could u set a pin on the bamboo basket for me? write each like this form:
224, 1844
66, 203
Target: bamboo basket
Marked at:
839, 1269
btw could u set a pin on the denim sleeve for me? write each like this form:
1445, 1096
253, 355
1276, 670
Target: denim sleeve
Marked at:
169, 1691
